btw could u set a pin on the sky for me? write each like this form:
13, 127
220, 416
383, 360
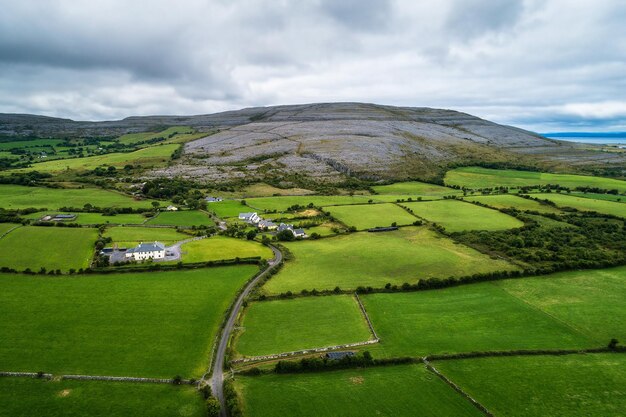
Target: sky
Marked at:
544, 65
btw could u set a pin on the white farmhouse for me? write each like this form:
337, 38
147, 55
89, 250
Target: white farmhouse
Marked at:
145, 251
251, 218
171, 208
213, 199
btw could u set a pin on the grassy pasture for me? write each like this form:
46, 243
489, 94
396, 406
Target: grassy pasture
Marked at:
607, 197
19, 197
302, 323
151, 156
227, 208
325, 229
512, 201
181, 218
123, 235
283, 202
32, 397
156, 324
464, 319
221, 247
94, 218
585, 204
457, 216
374, 259
50, 247
392, 391
572, 385
5, 227
416, 188
132, 138
592, 301
29, 143
366, 216
476, 177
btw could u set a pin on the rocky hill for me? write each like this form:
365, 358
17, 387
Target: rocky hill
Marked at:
329, 142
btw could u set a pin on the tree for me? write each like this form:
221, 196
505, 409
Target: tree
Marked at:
251, 234
213, 407
156, 204
613, 344
285, 235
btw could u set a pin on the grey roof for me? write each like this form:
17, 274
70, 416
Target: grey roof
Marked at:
299, 232
284, 226
266, 223
246, 215
213, 199
64, 216
147, 247
338, 355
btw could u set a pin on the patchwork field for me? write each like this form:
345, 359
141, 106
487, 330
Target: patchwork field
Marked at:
284, 202
50, 247
457, 216
157, 324
512, 201
573, 385
20, 197
181, 218
475, 177
125, 236
468, 318
416, 188
374, 259
592, 302
585, 204
94, 218
32, 397
302, 323
366, 216
221, 247
392, 391
227, 208
151, 156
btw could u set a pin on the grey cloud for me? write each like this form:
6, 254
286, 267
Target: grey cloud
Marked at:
472, 18
362, 15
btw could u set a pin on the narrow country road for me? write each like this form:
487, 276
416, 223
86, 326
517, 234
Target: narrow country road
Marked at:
217, 378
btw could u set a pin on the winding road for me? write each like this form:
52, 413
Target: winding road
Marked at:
217, 378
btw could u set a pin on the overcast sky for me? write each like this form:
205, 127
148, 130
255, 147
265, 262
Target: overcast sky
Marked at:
547, 65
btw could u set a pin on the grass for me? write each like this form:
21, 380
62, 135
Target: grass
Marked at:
283, 202
150, 156
94, 218
221, 247
325, 229
392, 391
465, 319
585, 204
265, 190
366, 216
573, 385
50, 247
475, 177
157, 324
416, 188
607, 197
227, 208
32, 397
132, 138
457, 216
302, 323
181, 218
5, 227
592, 302
512, 201
374, 259
19, 197
132, 235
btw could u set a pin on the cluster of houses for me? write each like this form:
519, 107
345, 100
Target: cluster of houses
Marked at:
256, 220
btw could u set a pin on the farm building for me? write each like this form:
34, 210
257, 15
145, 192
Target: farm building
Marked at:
298, 232
267, 225
58, 217
213, 199
339, 355
171, 208
251, 218
145, 251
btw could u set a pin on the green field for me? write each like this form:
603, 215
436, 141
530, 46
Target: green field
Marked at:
416, 188
5, 227
585, 204
50, 247
221, 247
374, 259
325, 229
302, 323
32, 143
592, 302
133, 235
366, 216
151, 156
475, 177
282, 203
132, 138
94, 218
512, 201
32, 397
181, 218
392, 391
19, 197
465, 319
608, 197
157, 324
457, 216
560, 386
227, 208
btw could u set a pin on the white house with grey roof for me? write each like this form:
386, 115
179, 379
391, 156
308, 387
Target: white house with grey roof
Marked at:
267, 225
252, 218
145, 251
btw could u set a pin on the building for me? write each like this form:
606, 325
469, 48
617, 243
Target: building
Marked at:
298, 233
284, 226
213, 199
267, 225
339, 355
171, 208
251, 218
145, 251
